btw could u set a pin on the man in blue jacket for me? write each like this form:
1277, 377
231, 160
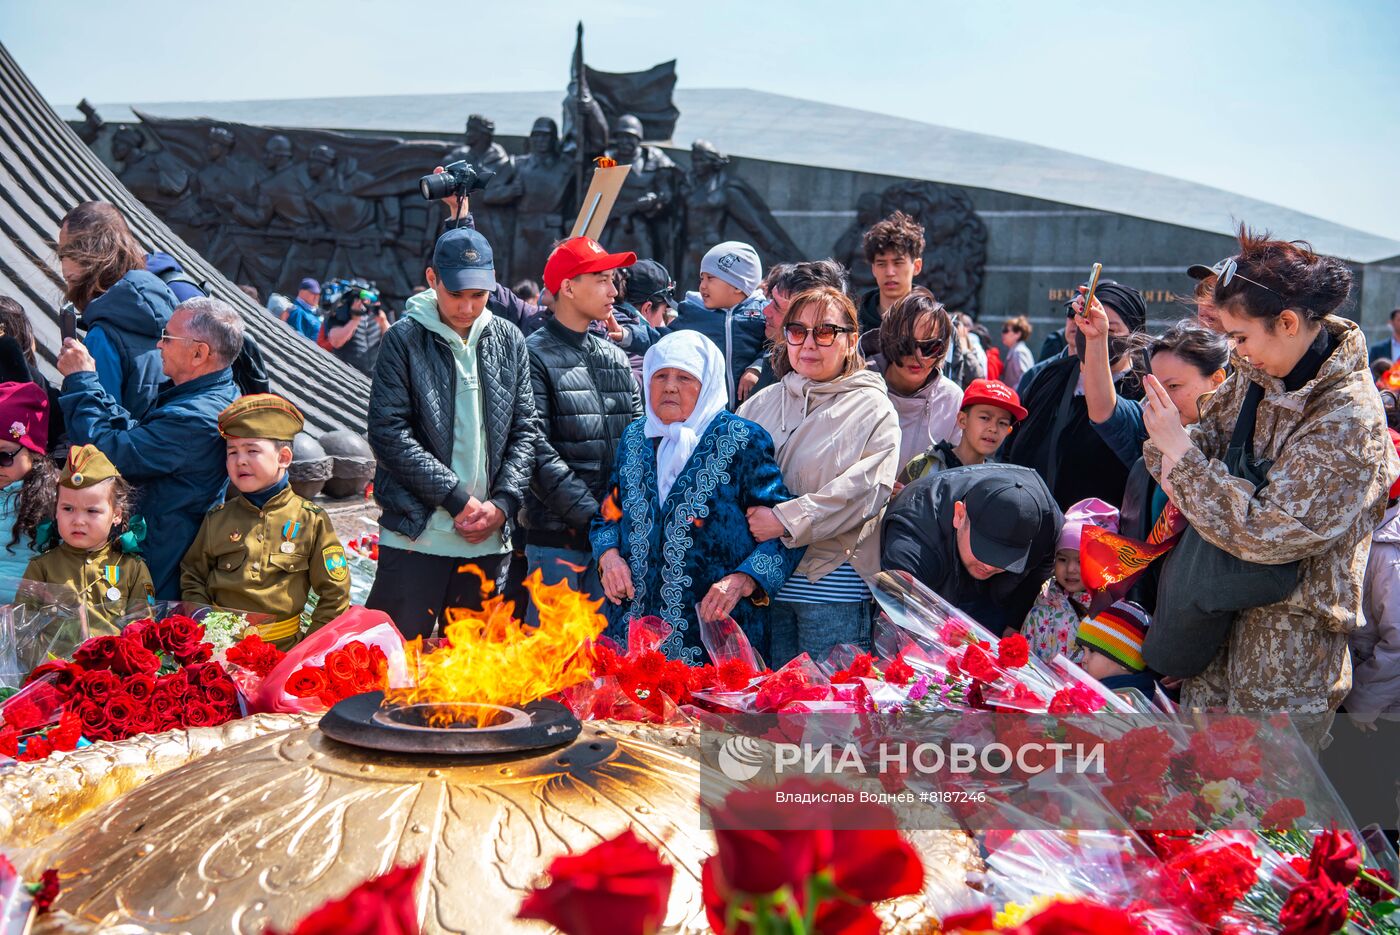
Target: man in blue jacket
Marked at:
727, 309
174, 455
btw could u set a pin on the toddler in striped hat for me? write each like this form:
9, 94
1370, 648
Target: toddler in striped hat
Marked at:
1112, 644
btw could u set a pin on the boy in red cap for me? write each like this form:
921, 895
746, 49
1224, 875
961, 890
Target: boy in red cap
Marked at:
990, 409
585, 395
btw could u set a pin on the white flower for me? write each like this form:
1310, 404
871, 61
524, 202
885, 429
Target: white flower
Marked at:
18, 429
1223, 795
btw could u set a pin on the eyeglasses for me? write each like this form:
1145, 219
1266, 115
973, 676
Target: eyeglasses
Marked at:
1228, 270
824, 334
933, 347
7, 458
167, 336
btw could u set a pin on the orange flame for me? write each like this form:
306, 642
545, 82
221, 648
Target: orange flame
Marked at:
611, 511
490, 658
605, 162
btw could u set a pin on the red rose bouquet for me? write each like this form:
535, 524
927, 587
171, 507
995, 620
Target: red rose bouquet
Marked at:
351, 669
360, 651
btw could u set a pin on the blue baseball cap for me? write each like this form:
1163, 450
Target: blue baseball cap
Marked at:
462, 260
309, 285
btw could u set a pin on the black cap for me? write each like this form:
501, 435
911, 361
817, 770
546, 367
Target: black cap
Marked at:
1199, 271
1003, 517
648, 280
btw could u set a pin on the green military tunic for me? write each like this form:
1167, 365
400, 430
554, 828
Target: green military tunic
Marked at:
267, 561
111, 583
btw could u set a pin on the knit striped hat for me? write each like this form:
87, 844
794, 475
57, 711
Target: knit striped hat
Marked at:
1118, 633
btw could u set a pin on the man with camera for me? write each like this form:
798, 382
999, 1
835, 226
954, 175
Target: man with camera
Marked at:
355, 326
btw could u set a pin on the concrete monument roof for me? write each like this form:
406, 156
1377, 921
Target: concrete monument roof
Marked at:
774, 127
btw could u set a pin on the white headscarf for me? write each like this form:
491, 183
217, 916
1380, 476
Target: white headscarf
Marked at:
697, 355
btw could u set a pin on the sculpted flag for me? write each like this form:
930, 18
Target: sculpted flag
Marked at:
644, 94
1111, 564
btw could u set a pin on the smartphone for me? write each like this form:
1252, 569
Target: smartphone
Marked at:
1093, 284
68, 321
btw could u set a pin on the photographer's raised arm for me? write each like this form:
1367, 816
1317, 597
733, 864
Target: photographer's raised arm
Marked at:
340, 335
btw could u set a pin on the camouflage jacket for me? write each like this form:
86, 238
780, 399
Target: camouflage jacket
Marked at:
1326, 493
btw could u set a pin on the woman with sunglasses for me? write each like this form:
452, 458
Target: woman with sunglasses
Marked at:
123, 307
913, 343
1302, 397
837, 440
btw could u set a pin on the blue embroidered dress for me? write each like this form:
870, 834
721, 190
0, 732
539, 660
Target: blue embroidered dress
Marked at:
676, 550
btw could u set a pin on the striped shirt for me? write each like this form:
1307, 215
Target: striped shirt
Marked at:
840, 586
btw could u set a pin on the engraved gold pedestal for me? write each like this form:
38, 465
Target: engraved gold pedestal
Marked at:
265, 830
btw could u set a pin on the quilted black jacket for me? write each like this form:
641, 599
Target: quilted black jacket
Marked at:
410, 424
585, 395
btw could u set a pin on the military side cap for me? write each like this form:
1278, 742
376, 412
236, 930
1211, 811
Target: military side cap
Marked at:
86, 466
261, 415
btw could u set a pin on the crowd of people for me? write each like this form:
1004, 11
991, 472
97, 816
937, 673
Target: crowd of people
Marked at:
759, 448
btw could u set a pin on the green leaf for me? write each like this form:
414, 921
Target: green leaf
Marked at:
1384, 909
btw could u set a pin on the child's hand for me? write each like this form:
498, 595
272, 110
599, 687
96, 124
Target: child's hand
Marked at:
75, 358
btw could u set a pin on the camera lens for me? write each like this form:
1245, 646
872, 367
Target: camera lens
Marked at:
436, 186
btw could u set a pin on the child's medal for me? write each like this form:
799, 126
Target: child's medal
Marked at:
112, 574
289, 532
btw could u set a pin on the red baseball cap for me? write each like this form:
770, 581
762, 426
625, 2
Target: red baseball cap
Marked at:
993, 393
579, 255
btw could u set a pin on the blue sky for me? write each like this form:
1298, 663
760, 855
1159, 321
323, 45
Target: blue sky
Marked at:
1293, 103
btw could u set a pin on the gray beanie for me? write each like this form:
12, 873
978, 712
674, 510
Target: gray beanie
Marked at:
736, 263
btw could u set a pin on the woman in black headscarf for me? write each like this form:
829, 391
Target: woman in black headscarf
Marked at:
1057, 438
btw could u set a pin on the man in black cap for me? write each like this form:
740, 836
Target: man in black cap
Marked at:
982, 536
649, 304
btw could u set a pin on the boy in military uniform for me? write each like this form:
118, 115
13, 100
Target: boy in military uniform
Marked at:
94, 556
265, 548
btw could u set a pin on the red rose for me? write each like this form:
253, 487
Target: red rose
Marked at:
307, 682
978, 663
47, 891
752, 860
35, 748
1013, 651
1369, 890
875, 864
206, 673
199, 714
120, 709
119, 654
99, 685
618, 887
96, 725
339, 667
139, 687
61, 673
1316, 907
358, 653
176, 685
983, 917
222, 695
380, 906
96, 653
1281, 815
1335, 856
1080, 918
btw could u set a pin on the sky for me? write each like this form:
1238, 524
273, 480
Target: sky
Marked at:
1293, 103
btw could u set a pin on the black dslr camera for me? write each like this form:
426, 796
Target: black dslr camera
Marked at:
459, 178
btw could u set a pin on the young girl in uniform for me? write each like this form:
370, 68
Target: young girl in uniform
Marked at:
96, 553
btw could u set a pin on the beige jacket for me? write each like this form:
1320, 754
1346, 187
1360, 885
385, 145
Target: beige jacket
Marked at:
1332, 465
838, 447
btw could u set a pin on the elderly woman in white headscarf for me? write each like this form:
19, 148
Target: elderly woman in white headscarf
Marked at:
672, 540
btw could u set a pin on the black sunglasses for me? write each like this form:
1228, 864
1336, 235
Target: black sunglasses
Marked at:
933, 347
7, 458
1228, 270
824, 334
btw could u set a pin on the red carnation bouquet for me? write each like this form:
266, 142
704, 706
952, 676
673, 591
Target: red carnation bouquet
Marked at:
155, 676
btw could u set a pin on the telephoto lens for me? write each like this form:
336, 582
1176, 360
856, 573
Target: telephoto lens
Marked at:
437, 186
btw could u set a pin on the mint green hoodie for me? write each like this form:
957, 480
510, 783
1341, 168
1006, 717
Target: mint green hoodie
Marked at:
468, 460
